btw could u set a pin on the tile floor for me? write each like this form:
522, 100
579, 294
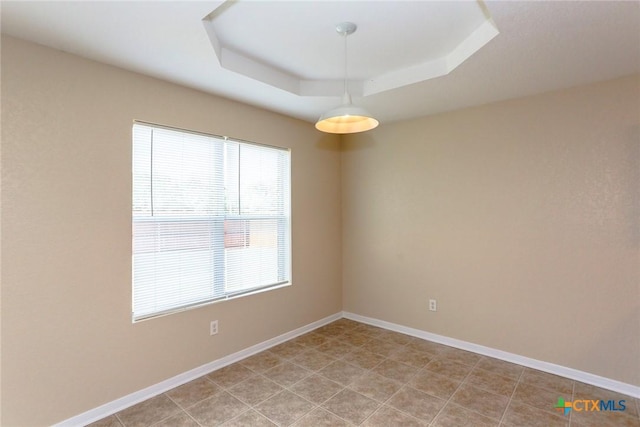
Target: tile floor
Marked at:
351, 374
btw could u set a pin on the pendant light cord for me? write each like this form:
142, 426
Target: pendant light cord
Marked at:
346, 84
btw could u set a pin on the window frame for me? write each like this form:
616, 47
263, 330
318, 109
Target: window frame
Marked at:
284, 228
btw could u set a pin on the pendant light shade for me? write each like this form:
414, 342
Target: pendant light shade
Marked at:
347, 118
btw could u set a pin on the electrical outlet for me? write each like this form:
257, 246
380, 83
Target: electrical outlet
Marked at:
213, 327
433, 305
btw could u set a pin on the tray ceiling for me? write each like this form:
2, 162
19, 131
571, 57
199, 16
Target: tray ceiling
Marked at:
294, 46
541, 46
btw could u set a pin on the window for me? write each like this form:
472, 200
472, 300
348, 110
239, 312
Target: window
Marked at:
211, 219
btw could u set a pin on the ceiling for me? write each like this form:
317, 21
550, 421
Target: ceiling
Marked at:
407, 58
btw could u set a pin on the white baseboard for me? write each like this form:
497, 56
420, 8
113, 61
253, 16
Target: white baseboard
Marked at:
574, 374
166, 385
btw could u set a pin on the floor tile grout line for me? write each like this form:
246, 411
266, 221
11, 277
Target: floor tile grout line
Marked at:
312, 372
545, 411
179, 409
573, 396
418, 369
513, 393
228, 390
316, 405
392, 395
486, 388
462, 381
317, 372
389, 338
384, 405
194, 420
546, 388
182, 409
406, 384
402, 384
119, 420
254, 407
233, 418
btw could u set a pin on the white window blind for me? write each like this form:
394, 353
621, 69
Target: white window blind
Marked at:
211, 219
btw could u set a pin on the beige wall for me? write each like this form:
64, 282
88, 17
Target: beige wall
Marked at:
68, 344
521, 218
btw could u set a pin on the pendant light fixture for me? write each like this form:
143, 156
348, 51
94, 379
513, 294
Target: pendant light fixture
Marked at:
347, 118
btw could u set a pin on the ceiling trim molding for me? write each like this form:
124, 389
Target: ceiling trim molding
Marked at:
436, 68
256, 69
